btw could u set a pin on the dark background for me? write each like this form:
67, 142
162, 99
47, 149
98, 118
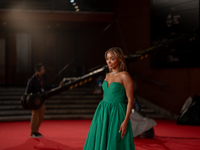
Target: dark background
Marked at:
170, 20
54, 32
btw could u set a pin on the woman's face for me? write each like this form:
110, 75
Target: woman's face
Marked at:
112, 60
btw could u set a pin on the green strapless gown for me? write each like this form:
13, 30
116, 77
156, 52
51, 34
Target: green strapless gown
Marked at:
110, 113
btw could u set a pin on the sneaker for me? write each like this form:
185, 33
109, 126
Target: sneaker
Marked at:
35, 135
40, 134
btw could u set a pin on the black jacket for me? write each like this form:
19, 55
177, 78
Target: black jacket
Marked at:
34, 86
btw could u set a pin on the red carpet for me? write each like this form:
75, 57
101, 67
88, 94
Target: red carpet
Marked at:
71, 135
169, 136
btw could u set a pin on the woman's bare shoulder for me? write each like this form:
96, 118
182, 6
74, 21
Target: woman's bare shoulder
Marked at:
125, 76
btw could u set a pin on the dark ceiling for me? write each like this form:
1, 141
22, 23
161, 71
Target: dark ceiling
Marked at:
58, 5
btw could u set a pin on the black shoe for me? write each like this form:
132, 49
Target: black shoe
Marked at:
40, 134
35, 135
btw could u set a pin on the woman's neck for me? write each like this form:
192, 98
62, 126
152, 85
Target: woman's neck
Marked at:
115, 70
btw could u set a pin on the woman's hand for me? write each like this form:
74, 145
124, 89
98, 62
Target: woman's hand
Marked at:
123, 129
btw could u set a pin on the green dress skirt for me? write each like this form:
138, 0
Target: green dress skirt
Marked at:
110, 113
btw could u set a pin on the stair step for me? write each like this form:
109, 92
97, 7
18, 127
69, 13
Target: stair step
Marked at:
78, 103
75, 96
70, 111
146, 110
143, 106
47, 117
57, 106
71, 106
10, 107
73, 101
5, 94
154, 111
155, 116
2, 98
11, 102
49, 111
54, 97
12, 89
23, 89
14, 112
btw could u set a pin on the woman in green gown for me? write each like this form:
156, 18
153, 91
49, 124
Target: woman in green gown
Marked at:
111, 127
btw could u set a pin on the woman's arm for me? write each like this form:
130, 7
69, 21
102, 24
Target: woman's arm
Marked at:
128, 85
